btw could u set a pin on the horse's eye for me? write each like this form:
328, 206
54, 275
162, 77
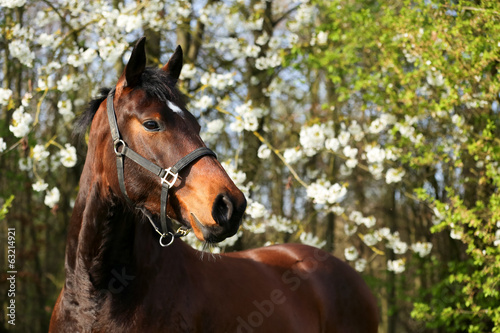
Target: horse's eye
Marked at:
151, 125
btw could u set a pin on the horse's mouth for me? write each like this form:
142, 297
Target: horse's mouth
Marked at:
211, 234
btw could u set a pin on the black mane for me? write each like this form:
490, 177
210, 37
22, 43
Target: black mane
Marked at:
157, 84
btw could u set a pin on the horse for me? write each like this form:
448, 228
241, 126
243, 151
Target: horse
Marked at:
126, 268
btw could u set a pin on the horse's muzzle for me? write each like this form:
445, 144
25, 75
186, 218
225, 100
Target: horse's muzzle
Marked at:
227, 212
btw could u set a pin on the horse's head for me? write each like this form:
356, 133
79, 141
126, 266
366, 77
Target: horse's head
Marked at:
153, 121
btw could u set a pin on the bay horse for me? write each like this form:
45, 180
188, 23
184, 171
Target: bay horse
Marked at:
126, 268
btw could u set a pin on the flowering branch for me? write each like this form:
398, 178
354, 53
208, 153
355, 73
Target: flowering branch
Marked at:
292, 170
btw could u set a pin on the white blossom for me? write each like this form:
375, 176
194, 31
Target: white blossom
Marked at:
217, 81
255, 24
323, 192
25, 101
263, 152
304, 16
292, 155
5, 96
322, 38
344, 137
388, 119
188, 72
12, 3
457, 120
496, 242
337, 210
20, 122
82, 57
376, 170
392, 154
237, 125
397, 266
110, 49
422, 248
255, 227
67, 83
356, 217
282, 224
332, 144
394, 175
68, 156
311, 240
262, 39
370, 239
270, 61
203, 103
435, 79
456, 234
392, 240
351, 253
3, 145
25, 164
249, 115
46, 40
52, 197
274, 42
312, 138
384, 232
377, 126
250, 122
129, 22
40, 153
45, 83
350, 152
399, 247
256, 210
22, 52
369, 221
351, 163
375, 154
252, 51
215, 126
40, 185
360, 264
356, 130
65, 109
350, 229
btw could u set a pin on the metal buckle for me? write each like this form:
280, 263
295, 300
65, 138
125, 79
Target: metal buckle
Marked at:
183, 231
168, 174
118, 143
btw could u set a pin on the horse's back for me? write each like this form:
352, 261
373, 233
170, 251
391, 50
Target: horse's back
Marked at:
339, 297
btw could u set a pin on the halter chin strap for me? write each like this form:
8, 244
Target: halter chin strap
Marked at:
168, 176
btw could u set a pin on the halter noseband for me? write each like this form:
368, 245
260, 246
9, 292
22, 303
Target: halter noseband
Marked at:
168, 176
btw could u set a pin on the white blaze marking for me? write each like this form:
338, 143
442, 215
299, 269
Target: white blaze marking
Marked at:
175, 108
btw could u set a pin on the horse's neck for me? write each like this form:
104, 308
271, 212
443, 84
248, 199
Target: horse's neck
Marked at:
111, 251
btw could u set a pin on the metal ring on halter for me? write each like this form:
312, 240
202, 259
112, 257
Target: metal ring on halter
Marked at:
172, 237
118, 143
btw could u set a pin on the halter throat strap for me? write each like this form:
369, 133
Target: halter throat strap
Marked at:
168, 176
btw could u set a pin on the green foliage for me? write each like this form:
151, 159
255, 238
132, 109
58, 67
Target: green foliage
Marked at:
5, 207
436, 61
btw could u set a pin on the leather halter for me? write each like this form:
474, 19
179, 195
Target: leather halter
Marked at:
168, 176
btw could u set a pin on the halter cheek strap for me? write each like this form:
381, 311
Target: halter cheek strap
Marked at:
168, 176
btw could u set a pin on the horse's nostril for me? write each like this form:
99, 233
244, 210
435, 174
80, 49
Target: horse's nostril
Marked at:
222, 210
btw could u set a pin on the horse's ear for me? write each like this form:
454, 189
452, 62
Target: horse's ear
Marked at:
174, 64
136, 63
